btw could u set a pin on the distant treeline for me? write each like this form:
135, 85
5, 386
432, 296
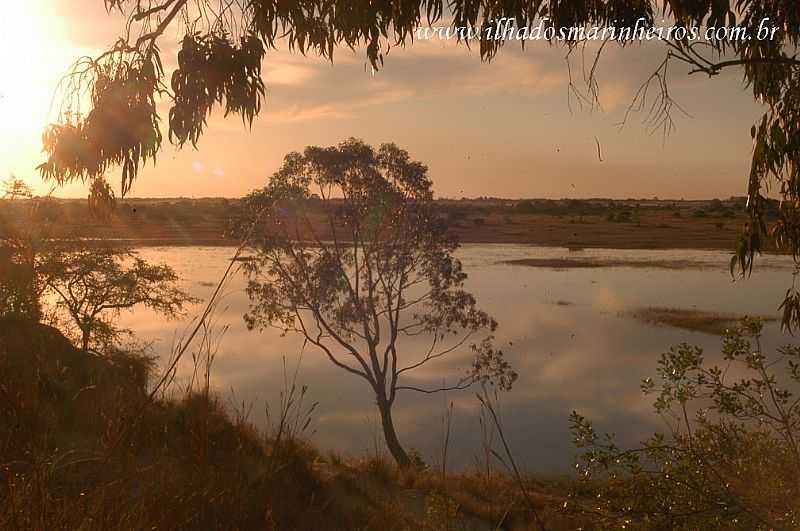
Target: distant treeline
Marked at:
205, 221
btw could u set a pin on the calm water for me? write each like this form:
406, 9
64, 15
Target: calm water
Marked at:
565, 331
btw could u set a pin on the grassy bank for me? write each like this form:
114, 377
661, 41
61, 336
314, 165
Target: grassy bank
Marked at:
84, 445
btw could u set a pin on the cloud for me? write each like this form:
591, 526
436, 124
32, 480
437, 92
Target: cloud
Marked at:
282, 71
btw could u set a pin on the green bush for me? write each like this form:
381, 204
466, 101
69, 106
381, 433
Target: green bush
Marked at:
730, 460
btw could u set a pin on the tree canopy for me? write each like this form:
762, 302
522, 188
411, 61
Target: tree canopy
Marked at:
92, 286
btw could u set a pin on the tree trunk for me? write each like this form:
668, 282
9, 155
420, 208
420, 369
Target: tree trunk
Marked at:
392, 443
85, 333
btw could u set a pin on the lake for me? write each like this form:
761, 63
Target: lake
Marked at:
566, 332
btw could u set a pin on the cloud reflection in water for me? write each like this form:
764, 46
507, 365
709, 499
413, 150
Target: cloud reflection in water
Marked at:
565, 332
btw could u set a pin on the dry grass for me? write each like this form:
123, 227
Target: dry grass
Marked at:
186, 463
183, 464
424, 499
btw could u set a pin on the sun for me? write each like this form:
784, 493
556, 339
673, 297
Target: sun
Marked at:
26, 65
33, 57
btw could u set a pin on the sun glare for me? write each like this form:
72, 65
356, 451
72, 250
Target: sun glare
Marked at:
26, 59
33, 56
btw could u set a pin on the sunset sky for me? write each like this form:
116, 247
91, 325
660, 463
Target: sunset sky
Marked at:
502, 129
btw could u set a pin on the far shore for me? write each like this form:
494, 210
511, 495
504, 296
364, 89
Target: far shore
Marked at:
589, 263
569, 223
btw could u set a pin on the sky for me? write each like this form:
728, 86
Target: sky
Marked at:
499, 129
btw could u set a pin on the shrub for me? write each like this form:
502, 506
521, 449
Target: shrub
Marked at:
525, 207
18, 292
83, 446
730, 460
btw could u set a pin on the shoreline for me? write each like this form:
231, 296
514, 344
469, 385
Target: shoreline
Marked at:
531, 262
570, 224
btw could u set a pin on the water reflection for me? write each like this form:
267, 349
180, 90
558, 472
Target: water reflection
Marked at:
565, 331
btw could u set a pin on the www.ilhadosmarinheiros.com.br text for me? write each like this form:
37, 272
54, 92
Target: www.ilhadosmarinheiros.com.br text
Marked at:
504, 29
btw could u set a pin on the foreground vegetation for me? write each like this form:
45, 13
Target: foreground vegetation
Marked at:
96, 442
730, 457
86, 445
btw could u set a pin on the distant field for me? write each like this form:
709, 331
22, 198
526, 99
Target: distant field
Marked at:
628, 224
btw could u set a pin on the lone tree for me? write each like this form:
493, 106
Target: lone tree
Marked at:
351, 257
94, 285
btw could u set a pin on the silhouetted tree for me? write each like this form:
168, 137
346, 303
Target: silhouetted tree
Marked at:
364, 269
16, 188
93, 285
23, 238
18, 293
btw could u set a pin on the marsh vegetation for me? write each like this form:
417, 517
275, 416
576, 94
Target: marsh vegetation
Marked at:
696, 320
